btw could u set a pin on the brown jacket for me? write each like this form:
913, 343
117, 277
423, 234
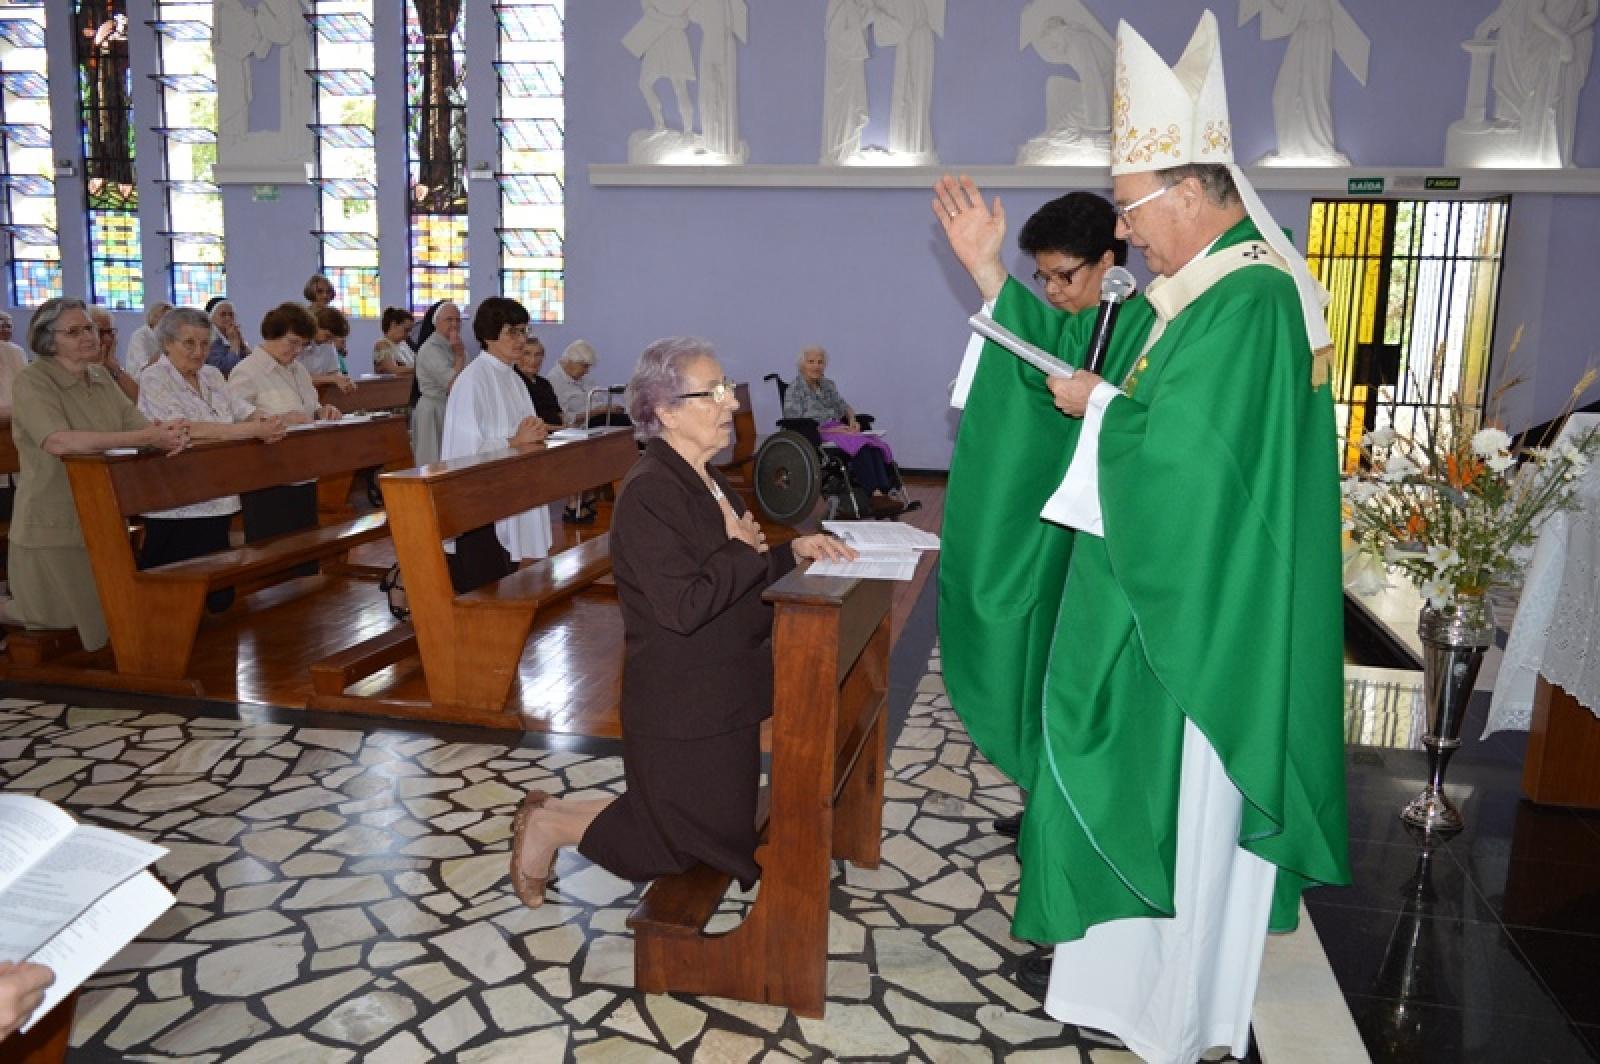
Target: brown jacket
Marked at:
698, 637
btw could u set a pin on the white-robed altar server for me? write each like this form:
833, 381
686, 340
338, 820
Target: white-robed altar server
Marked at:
489, 410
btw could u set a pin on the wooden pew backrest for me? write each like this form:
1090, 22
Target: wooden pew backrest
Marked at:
148, 481
377, 391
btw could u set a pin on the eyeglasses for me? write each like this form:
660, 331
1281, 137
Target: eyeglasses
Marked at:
717, 392
1125, 214
1064, 278
75, 331
513, 332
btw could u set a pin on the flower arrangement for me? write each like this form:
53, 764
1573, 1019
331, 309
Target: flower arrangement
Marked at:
1452, 506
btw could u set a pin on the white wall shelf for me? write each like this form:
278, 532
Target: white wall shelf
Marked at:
1400, 180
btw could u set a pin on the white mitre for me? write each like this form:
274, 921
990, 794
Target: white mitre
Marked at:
1164, 116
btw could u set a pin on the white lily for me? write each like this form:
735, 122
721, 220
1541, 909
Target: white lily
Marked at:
1439, 593
1364, 572
1501, 462
1442, 557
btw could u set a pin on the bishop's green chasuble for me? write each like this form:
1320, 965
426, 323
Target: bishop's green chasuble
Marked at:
1215, 596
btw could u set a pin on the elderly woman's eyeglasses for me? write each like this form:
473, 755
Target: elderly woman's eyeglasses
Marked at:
717, 392
73, 332
1064, 278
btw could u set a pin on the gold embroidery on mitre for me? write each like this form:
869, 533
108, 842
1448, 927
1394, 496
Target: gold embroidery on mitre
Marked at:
1152, 142
1216, 137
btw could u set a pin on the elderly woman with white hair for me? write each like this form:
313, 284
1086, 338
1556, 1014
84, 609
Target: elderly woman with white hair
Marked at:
690, 565
572, 389
183, 383
814, 396
142, 346
66, 404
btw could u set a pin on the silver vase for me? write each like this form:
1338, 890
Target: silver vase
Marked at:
1453, 644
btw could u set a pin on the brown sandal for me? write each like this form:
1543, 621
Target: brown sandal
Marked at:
529, 888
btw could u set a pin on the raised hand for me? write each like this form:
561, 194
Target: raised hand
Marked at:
976, 231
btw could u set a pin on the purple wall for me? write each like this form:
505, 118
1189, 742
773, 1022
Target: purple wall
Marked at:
764, 272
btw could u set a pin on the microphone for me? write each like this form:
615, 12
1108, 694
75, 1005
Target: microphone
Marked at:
1115, 288
616, 389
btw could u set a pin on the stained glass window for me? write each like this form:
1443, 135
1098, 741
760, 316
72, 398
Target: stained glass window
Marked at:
27, 196
1414, 285
532, 163
105, 86
188, 129
436, 142
347, 164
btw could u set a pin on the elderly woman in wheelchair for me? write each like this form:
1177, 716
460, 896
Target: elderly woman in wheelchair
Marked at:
856, 471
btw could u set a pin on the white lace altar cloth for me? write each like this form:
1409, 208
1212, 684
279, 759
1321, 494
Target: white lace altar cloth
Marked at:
1557, 630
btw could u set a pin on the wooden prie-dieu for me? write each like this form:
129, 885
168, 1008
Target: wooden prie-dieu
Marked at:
824, 800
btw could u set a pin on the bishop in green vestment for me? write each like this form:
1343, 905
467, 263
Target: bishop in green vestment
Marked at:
1186, 776
1214, 595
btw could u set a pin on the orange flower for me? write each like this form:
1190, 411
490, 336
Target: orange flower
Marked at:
1416, 525
1461, 473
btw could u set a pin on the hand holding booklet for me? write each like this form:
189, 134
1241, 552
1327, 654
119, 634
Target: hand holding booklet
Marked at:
71, 895
885, 550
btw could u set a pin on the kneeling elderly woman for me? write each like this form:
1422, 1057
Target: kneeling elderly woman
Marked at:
690, 566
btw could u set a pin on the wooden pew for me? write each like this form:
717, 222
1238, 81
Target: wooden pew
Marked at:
374, 391
471, 644
154, 615
825, 800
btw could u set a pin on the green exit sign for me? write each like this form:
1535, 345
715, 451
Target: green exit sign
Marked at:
1442, 184
1365, 186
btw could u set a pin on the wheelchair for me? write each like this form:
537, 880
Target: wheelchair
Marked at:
794, 467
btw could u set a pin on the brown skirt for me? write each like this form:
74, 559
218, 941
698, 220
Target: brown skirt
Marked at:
689, 801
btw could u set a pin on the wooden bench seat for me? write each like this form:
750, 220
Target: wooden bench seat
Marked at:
153, 615
239, 565
548, 580
470, 645
825, 796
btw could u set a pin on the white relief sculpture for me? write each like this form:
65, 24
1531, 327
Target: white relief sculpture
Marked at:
1302, 114
844, 80
1536, 56
660, 40
909, 26
721, 22
1077, 110
242, 37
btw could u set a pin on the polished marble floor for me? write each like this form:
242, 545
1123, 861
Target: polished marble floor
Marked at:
1485, 947
342, 895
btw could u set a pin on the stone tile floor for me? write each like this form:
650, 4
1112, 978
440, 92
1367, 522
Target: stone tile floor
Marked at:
342, 894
